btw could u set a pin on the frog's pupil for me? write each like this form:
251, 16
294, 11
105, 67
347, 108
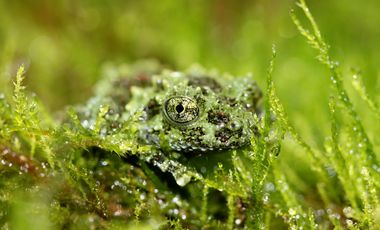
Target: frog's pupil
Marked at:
179, 108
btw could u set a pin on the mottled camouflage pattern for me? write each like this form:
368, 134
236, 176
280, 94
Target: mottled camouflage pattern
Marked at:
177, 113
193, 111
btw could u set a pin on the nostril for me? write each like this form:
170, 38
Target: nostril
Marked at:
179, 108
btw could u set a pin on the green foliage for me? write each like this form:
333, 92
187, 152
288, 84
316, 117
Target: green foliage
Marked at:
348, 152
24, 123
59, 174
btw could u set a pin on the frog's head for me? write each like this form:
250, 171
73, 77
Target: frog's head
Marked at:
191, 113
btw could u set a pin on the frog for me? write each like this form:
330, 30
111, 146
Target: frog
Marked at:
177, 115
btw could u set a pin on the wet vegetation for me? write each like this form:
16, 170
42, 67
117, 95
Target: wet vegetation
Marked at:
313, 162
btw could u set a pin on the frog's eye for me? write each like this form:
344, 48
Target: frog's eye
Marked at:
181, 110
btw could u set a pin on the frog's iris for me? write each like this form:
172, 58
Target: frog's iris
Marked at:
181, 110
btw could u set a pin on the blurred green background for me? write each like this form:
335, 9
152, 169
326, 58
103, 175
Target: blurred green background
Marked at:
64, 45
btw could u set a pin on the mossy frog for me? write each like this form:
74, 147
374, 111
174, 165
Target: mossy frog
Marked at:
177, 114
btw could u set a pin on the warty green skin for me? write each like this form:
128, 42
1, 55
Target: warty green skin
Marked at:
225, 113
179, 113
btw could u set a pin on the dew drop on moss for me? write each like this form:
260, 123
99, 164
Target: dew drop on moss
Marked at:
85, 123
183, 179
266, 198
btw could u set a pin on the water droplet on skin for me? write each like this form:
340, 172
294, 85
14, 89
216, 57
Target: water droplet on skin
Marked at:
117, 213
44, 165
238, 221
104, 163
